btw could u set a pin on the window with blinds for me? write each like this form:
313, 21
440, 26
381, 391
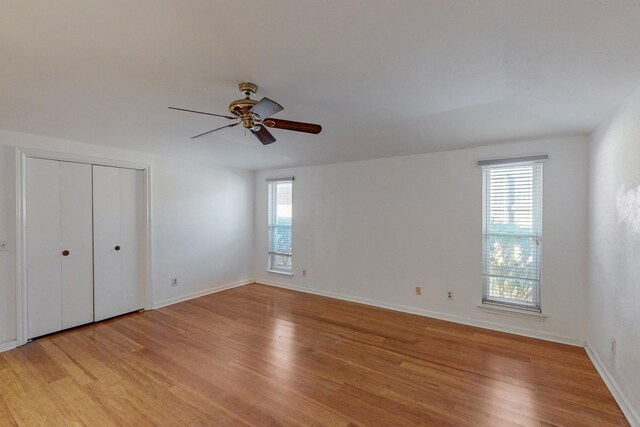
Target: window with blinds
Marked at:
280, 195
512, 234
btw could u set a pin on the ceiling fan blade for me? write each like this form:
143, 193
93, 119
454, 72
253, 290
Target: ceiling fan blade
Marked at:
266, 108
264, 136
295, 126
222, 127
202, 112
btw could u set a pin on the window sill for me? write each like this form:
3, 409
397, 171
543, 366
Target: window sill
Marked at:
283, 273
510, 311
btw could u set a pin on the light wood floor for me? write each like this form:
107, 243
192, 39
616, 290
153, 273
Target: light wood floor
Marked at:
265, 356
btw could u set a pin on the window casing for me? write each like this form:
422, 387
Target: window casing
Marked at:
512, 234
280, 203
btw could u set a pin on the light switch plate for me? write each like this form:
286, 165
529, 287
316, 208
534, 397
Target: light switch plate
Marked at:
3, 246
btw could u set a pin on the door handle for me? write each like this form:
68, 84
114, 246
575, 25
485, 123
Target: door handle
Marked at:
117, 248
65, 253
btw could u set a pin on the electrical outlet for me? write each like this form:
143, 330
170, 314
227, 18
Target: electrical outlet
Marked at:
450, 295
3, 246
174, 282
418, 290
613, 345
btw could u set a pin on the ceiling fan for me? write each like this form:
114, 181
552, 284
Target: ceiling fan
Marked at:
256, 116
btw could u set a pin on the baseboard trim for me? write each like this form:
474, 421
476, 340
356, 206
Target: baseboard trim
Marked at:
187, 297
632, 415
433, 314
9, 345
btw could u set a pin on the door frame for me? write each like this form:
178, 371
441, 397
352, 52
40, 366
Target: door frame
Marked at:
21, 226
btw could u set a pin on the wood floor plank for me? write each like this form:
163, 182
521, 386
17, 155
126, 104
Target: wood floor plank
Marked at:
258, 355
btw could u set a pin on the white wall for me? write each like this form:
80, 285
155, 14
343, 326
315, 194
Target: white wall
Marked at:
614, 255
202, 222
374, 230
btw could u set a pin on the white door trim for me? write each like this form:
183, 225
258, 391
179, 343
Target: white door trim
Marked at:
21, 250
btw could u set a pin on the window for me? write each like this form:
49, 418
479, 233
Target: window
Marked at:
512, 233
280, 203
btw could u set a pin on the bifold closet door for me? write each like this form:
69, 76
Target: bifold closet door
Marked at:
59, 246
119, 250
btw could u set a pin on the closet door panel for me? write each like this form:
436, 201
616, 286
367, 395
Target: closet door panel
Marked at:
106, 234
131, 239
76, 224
44, 253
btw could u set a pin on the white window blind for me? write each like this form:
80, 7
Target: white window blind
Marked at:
512, 234
280, 201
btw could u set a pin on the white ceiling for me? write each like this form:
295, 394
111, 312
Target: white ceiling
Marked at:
383, 77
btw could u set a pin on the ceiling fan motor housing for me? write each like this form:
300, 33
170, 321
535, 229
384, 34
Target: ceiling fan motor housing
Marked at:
242, 107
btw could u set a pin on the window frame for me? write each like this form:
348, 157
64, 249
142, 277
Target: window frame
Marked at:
272, 203
537, 234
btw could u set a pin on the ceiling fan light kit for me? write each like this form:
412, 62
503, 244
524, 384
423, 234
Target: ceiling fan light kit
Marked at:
256, 116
